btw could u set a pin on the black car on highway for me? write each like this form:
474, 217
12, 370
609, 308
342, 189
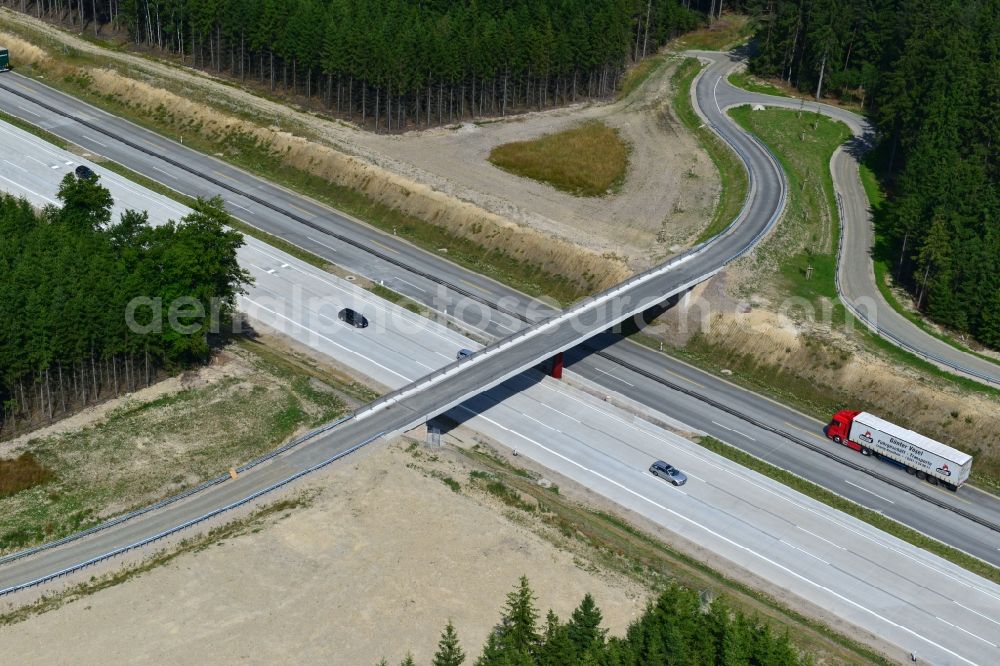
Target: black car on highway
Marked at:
85, 173
668, 473
353, 317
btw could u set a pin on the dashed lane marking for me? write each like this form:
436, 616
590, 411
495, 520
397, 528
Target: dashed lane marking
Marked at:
869, 491
93, 140
735, 430
603, 372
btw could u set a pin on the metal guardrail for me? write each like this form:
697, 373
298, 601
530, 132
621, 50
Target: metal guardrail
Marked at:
397, 395
177, 528
884, 333
173, 498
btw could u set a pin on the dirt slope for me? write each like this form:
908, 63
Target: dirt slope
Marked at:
375, 566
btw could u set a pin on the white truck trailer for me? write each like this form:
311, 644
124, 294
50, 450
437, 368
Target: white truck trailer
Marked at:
917, 454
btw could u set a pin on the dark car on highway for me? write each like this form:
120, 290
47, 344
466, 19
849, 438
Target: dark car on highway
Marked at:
668, 473
85, 173
352, 317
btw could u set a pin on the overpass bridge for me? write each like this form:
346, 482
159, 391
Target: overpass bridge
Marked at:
441, 390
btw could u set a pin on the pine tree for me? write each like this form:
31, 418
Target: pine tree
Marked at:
515, 639
449, 653
520, 618
584, 627
557, 649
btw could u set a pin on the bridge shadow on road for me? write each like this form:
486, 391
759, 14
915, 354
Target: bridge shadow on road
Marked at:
484, 401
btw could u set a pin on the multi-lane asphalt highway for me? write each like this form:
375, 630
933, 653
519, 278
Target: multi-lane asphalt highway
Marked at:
464, 295
900, 593
419, 283
855, 271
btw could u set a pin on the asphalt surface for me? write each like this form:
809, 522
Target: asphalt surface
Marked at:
478, 302
420, 284
855, 271
900, 593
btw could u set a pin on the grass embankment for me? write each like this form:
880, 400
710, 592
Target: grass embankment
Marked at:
616, 545
638, 73
590, 160
142, 452
521, 258
811, 370
732, 175
749, 82
720, 35
871, 517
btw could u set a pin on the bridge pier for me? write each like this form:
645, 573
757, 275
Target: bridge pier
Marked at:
556, 369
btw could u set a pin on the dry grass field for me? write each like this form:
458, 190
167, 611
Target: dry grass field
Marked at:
161, 440
589, 160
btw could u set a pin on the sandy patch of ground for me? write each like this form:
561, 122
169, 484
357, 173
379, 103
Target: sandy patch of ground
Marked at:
666, 200
375, 566
222, 365
668, 196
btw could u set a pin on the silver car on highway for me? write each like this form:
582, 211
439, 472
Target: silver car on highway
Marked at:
668, 472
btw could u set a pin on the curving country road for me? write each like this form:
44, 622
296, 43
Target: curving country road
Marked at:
855, 272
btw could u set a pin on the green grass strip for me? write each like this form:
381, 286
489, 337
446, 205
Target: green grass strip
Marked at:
747, 82
874, 518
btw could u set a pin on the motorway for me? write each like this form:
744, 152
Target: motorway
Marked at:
357, 255
855, 271
842, 565
495, 310
308, 313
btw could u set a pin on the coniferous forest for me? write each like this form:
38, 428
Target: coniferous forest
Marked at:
67, 276
928, 73
393, 64
677, 628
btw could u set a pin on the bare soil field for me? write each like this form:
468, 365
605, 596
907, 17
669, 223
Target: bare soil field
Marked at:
667, 198
383, 555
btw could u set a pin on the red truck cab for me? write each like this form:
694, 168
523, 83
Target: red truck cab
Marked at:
839, 428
